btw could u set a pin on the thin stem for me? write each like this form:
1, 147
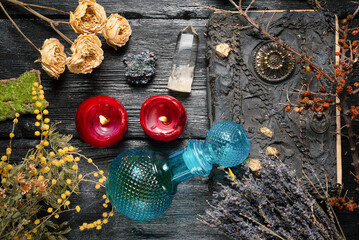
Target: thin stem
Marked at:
40, 6
51, 22
338, 223
17, 28
270, 231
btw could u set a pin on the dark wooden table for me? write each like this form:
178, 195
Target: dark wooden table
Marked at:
155, 25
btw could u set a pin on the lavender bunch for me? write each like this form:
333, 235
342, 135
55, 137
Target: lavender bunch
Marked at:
272, 206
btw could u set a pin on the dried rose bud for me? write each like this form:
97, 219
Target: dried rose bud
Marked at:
87, 54
117, 31
89, 17
53, 57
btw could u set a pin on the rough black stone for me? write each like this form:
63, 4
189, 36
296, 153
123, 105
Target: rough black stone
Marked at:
140, 68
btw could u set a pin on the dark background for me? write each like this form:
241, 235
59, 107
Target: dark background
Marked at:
155, 25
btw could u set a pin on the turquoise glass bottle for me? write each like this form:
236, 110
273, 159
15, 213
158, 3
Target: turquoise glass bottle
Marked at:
142, 183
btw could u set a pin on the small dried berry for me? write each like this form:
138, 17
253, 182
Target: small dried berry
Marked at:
318, 76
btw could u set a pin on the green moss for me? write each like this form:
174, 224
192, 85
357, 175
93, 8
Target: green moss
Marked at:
16, 95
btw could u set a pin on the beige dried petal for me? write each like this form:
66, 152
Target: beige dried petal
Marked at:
43, 185
25, 187
89, 17
87, 54
20, 177
117, 31
254, 164
223, 49
32, 169
266, 131
53, 57
2, 193
272, 152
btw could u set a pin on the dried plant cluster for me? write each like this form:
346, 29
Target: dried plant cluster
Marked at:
272, 206
36, 191
88, 19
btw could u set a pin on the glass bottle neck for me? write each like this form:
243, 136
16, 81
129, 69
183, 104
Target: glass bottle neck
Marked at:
188, 162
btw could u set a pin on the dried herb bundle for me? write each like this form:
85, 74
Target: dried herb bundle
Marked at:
35, 191
272, 206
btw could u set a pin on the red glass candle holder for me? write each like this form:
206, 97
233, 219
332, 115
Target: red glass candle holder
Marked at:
101, 121
163, 118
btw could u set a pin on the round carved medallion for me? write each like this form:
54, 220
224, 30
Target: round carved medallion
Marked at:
272, 62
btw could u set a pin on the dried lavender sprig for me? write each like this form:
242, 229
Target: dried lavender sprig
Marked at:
275, 205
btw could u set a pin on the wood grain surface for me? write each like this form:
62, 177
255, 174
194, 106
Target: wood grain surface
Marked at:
155, 25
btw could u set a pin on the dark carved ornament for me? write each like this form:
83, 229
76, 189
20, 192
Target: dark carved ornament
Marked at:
272, 62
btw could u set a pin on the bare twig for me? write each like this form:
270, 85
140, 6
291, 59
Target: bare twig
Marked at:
18, 29
51, 22
270, 20
40, 6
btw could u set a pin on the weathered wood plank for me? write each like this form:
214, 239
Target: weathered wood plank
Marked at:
166, 9
67, 93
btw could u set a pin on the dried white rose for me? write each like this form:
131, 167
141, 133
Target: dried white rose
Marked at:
117, 31
53, 57
87, 54
89, 17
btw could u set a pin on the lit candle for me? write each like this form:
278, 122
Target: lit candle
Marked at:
101, 121
163, 118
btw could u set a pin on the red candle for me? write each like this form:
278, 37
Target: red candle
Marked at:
101, 121
163, 118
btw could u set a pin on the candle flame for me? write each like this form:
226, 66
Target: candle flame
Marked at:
104, 120
163, 119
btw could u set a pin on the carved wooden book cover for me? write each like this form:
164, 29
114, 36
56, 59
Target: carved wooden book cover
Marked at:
254, 82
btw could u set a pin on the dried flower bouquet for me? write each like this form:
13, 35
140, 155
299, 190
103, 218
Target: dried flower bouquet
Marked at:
88, 19
36, 190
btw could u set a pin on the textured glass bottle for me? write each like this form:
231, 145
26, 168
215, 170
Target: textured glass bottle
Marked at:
141, 183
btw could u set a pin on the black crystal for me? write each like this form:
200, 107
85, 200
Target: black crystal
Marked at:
140, 68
